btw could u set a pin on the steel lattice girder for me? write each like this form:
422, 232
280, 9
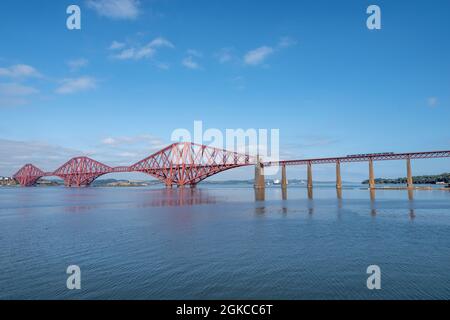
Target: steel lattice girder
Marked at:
81, 171
28, 175
365, 158
189, 163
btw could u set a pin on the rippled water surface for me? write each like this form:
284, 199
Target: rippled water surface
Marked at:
217, 242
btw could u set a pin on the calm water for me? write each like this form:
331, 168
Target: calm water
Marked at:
217, 242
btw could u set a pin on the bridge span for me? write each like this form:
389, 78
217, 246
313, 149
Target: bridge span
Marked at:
186, 163
370, 158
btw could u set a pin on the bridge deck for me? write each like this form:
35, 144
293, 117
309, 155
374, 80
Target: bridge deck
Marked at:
364, 158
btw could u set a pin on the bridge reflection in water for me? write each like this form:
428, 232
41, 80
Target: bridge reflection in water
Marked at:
260, 199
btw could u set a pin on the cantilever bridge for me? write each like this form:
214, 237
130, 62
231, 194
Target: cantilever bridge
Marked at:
186, 163
178, 164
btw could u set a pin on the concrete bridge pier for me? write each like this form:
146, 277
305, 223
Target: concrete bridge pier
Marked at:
371, 175
338, 175
310, 179
409, 179
283, 177
259, 175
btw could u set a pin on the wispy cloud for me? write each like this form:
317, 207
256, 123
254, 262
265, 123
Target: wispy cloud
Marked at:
189, 63
19, 71
138, 52
116, 9
14, 154
161, 42
15, 94
115, 45
190, 60
258, 55
16, 89
225, 55
128, 140
77, 64
72, 85
194, 53
286, 42
125, 150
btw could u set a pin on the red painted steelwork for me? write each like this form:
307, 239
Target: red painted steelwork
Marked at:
81, 171
189, 163
28, 175
178, 164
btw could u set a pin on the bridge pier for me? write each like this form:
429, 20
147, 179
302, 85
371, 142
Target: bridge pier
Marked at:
310, 179
338, 175
371, 175
283, 177
259, 175
409, 179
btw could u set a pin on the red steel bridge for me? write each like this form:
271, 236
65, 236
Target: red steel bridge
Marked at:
186, 163
178, 164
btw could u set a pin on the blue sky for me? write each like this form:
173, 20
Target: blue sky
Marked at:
116, 89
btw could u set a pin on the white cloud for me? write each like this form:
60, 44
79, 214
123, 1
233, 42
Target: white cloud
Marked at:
128, 149
123, 150
109, 141
162, 65
73, 85
432, 101
194, 53
224, 55
15, 154
77, 64
144, 52
141, 52
12, 101
160, 42
15, 94
125, 54
127, 154
115, 45
115, 9
286, 42
19, 71
129, 140
16, 89
189, 63
258, 55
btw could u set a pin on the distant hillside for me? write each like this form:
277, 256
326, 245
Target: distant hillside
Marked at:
444, 177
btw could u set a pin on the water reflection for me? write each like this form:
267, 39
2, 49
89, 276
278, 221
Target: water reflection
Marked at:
260, 196
339, 193
310, 193
373, 209
284, 209
284, 193
412, 212
180, 197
